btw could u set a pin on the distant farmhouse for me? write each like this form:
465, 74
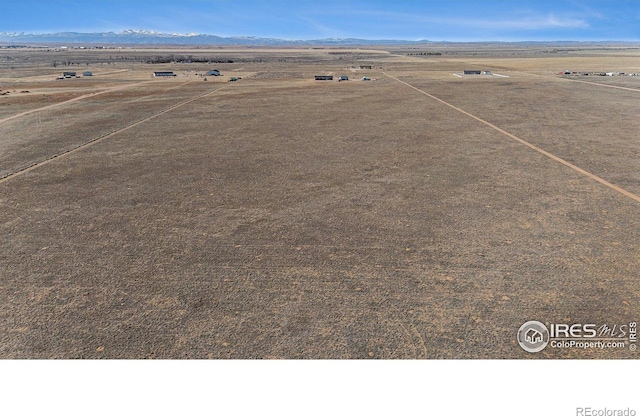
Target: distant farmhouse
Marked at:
324, 77
164, 74
478, 72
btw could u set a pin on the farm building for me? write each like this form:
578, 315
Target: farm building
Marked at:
472, 72
164, 74
213, 73
87, 74
324, 77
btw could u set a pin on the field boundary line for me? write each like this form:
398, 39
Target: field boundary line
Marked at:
602, 85
526, 143
71, 100
95, 140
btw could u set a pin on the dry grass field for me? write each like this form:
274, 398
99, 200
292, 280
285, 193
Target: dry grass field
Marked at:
282, 217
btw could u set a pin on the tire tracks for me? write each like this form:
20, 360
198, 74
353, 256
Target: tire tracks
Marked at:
526, 143
82, 97
105, 136
617, 87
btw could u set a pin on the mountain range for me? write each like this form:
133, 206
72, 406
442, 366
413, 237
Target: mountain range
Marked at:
148, 37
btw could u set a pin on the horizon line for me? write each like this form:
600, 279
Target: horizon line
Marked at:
177, 35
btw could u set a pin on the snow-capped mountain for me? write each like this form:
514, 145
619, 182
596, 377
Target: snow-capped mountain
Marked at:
136, 37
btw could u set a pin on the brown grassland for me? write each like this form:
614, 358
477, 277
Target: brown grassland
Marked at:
282, 217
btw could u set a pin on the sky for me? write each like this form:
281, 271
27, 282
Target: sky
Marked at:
436, 20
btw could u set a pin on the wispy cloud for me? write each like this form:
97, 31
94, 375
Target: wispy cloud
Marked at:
320, 29
528, 22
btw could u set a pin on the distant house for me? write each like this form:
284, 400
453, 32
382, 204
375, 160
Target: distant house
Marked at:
87, 74
213, 73
472, 72
164, 74
324, 77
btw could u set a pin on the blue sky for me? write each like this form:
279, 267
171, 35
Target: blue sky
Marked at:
460, 20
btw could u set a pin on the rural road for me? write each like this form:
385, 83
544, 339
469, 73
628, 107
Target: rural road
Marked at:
82, 97
100, 138
530, 145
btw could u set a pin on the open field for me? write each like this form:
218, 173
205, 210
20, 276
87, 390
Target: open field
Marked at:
419, 215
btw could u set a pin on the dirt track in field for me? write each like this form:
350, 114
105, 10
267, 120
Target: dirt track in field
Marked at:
69, 101
97, 139
536, 148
